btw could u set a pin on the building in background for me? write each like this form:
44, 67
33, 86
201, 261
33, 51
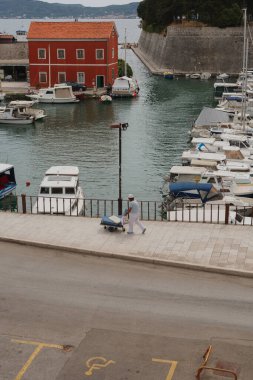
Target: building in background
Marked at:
7, 38
82, 52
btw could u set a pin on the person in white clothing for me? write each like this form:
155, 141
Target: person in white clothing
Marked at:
133, 212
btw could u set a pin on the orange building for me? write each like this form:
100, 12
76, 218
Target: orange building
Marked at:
82, 52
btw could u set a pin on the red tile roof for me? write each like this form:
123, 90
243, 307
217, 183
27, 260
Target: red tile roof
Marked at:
70, 30
6, 36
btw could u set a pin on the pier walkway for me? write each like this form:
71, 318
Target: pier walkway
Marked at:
210, 247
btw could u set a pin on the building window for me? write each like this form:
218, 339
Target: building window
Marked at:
41, 53
61, 77
80, 78
99, 53
43, 77
79, 53
113, 74
112, 52
61, 53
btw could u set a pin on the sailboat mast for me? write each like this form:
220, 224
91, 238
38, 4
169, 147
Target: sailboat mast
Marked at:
244, 68
244, 100
125, 70
244, 38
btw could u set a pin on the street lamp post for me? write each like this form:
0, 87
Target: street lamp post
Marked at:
120, 127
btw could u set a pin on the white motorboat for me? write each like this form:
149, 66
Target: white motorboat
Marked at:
60, 93
195, 76
185, 174
125, 87
7, 180
205, 75
224, 181
60, 192
11, 115
190, 155
24, 107
106, 99
222, 76
240, 211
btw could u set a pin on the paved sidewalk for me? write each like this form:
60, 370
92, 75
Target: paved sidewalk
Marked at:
210, 247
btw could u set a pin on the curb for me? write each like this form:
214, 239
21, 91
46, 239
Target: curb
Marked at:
175, 264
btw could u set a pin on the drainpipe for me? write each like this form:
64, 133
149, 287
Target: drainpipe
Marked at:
49, 66
107, 79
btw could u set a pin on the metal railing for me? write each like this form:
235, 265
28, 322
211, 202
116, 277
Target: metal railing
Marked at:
92, 208
149, 210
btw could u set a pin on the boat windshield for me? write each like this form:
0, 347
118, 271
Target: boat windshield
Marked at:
57, 190
7, 176
44, 190
69, 190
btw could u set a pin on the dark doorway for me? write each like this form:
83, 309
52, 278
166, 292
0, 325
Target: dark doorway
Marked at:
100, 81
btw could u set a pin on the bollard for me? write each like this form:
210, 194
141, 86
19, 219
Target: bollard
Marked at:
226, 213
23, 196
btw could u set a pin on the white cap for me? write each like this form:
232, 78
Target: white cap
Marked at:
130, 196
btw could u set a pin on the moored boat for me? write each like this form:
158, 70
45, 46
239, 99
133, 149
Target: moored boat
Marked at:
125, 87
195, 76
24, 107
106, 99
222, 76
7, 180
60, 192
60, 93
168, 74
11, 115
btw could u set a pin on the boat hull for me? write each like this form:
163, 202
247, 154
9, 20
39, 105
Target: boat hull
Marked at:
57, 101
17, 121
59, 206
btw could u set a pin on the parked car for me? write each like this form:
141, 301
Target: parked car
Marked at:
77, 86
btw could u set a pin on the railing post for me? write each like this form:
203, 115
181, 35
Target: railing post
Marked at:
23, 196
226, 213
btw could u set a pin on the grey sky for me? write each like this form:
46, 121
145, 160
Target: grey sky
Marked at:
91, 3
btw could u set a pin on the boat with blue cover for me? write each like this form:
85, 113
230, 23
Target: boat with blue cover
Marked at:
7, 180
192, 190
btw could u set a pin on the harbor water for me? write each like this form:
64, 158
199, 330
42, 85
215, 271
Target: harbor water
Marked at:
79, 134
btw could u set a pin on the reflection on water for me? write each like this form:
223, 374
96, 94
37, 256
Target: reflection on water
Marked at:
79, 134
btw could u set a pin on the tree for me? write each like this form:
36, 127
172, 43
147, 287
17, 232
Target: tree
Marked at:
121, 68
157, 14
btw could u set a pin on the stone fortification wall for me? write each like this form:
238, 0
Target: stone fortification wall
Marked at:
196, 49
14, 51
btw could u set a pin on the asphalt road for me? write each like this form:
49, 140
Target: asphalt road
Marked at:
67, 316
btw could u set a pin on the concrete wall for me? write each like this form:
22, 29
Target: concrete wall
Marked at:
196, 49
18, 50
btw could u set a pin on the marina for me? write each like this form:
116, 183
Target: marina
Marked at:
78, 134
160, 106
